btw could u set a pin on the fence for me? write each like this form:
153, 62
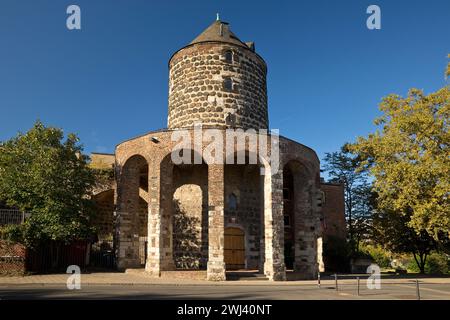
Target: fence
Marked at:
102, 255
55, 257
410, 287
12, 216
12, 258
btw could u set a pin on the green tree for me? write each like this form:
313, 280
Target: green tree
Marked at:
48, 177
410, 160
344, 166
447, 73
392, 231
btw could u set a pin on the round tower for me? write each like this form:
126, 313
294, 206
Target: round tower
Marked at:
219, 81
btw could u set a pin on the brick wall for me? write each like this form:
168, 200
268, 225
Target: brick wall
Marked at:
334, 211
104, 213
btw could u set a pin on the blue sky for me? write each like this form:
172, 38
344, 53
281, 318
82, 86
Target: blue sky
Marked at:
108, 82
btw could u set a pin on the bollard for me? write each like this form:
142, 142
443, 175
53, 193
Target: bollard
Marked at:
417, 289
318, 279
357, 278
335, 281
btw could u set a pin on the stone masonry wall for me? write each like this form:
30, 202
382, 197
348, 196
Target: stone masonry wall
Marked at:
197, 92
104, 213
190, 221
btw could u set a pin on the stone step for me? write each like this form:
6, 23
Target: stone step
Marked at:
184, 274
201, 274
245, 275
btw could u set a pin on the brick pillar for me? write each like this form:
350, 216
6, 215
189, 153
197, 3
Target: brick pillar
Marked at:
166, 191
262, 245
274, 267
306, 228
127, 218
153, 263
216, 264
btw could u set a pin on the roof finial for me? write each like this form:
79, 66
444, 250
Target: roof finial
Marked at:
217, 17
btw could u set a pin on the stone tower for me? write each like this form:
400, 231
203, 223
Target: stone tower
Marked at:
209, 216
219, 81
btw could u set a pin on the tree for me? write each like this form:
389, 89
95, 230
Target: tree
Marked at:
344, 166
365, 201
48, 177
391, 231
447, 73
410, 160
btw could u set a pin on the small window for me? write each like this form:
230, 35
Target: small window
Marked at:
228, 84
229, 56
230, 119
232, 202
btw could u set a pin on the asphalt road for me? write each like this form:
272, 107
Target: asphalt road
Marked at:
162, 291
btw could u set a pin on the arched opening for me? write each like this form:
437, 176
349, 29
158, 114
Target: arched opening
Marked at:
103, 218
228, 54
300, 239
184, 204
244, 208
132, 213
232, 202
190, 216
289, 217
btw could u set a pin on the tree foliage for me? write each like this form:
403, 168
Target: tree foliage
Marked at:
447, 73
345, 167
391, 230
47, 176
410, 160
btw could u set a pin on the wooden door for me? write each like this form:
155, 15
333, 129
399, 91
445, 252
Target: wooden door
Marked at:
234, 248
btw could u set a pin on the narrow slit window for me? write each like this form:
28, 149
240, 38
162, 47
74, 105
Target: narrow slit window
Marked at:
232, 202
228, 84
229, 56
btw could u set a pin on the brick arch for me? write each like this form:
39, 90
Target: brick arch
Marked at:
104, 209
246, 182
175, 177
271, 255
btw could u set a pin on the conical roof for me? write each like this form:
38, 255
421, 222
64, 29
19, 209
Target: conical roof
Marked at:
219, 31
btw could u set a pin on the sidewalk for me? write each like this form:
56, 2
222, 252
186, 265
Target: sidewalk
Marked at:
139, 277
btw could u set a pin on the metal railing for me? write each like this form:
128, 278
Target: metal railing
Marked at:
406, 287
12, 216
101, 255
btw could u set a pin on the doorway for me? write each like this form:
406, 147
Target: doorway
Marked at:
234, 248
